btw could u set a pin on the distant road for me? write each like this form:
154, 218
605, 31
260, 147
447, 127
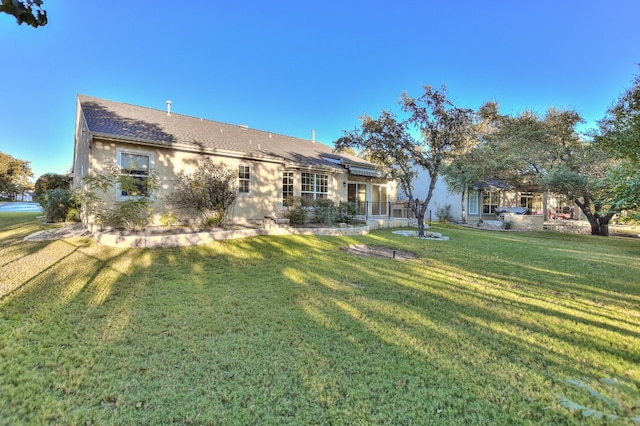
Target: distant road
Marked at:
20, 207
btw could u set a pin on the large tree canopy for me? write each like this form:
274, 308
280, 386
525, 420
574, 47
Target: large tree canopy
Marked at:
28, 12
441, 128
619, 135
546, 152
50, 181
14, 175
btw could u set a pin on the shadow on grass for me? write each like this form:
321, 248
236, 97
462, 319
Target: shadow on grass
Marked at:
295, 330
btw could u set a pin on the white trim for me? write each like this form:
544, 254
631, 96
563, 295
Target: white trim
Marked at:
472, 209
250, 180
119, 152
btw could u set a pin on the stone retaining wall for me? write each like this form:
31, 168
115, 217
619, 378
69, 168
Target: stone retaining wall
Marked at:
521, 222
117, 239
570, 226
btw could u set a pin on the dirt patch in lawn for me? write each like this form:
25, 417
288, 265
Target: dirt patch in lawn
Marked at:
379, 252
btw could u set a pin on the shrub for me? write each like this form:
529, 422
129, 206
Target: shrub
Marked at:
131, 213
444, 213
297, 210
59, 205
210, 191
346, 212
325, 212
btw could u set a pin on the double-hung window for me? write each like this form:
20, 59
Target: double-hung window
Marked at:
135, 167
244, 179
287, 186
314, 186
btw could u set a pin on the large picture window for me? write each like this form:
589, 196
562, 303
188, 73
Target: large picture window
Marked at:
244, 179
134, 168
314, 186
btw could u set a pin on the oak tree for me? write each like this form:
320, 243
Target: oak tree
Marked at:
439, 128
28, 12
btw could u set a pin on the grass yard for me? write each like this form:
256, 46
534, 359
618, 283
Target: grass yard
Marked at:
482, 329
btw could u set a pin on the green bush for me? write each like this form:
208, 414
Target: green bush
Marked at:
128, 214
131, 213
347, 212
210, 191
325, 212
297, 210
59, 205
444, 213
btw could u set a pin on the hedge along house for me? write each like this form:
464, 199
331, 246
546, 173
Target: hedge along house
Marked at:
271, 167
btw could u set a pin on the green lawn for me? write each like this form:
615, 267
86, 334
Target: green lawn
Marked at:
481, 329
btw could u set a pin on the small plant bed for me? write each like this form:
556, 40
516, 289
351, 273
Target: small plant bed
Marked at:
428, 235
379, 251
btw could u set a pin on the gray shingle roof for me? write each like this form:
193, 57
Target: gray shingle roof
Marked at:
136, 124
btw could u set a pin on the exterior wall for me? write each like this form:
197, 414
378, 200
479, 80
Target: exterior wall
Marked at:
265, 186
82, 152
263, 198
440, 199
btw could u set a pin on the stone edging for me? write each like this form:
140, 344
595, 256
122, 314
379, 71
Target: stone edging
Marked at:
113, 239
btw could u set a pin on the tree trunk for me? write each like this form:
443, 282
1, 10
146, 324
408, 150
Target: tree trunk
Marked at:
419, 209
420, 218
599, 224
462, 209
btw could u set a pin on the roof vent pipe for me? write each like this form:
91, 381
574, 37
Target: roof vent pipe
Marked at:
313, 136
169, 108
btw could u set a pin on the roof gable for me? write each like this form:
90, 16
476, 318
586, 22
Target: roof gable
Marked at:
136, 124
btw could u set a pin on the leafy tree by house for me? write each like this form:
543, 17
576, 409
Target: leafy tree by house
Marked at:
441, 128
51, 181
619, 135
467, 168
130, 213
28, 12
583, 177
59, 205
529, 151
210, 191
14, 175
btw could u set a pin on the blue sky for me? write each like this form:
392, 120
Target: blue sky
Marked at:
293, 66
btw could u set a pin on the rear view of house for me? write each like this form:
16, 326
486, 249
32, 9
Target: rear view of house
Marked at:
271, 167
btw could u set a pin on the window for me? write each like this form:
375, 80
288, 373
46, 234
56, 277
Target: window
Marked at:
287, 186
490, 201
314, 186
244, 177
531, 201
379, 200
357, 194
473, 202
134, 172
